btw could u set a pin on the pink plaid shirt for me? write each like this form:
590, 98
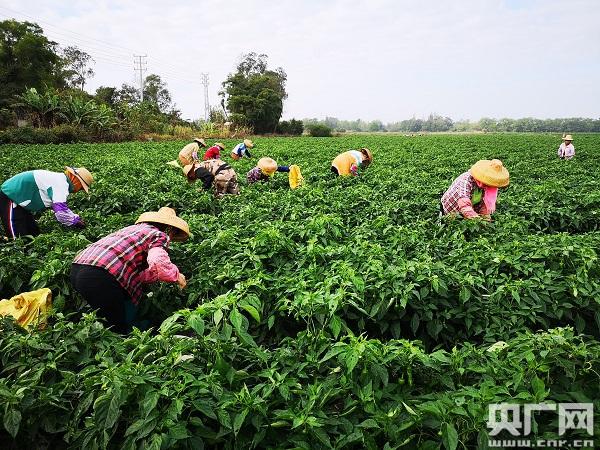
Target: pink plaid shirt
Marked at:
458, 196
124, 255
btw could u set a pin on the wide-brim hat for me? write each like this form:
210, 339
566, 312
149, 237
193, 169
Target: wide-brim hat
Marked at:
187, 168
268, 166
83, 175
167, 216
219, 144
200, 141
490, 172
568, 137
248, 143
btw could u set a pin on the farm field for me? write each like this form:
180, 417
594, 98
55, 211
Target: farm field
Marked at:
344, 314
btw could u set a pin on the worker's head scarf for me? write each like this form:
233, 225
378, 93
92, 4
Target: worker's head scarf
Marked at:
74, 180
490, 194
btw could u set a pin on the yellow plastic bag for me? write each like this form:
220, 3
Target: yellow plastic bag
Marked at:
295, 177
29, 308
174, 163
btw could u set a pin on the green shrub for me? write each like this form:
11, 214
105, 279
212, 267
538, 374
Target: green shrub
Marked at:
318, 130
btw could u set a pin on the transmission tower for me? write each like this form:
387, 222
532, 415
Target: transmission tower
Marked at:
141, 67
204, 80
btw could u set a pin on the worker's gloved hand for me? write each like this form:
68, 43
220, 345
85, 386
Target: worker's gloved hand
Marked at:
79, 223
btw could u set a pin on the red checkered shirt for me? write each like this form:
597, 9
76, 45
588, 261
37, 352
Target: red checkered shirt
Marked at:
461, 188
123, 254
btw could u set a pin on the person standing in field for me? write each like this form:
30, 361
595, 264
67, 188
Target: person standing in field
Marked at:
242, 149
566, 149
473, 194
349, 162
189, 153
214, 152
31, 192
213, 173
110, 274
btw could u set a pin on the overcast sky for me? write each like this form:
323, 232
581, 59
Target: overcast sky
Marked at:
375, 59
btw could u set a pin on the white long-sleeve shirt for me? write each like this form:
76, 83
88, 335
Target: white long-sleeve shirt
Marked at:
566, 151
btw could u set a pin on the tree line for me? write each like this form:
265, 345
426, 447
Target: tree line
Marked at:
43, 85
437, 123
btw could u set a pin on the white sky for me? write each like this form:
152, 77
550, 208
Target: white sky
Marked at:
375, 59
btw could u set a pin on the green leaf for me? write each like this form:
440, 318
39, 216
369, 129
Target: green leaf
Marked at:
351, 360
149, 402
252, 311
336, 325
333, 352
449, 436
271, 322
217, 316
369, 423
236, 319
155, 442
197, 324
539, 388
239, 420
12, 421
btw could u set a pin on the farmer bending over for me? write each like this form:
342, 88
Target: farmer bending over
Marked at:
110, 274
214, 152
242, 149
31, 192
189, 153
348, 163
473, 194
213, 172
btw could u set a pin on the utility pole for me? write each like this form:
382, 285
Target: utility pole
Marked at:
141, 66
204, 80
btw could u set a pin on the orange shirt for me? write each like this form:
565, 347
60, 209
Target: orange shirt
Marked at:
344, 161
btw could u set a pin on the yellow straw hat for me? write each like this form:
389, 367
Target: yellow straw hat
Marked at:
200, 141
167, 216
268, 166
248, 143
83, 175
568, 137
490, 172
219, 144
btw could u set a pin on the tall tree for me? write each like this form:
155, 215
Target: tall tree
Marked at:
156, 93
27, 60
77, 66
107, 95
255, 94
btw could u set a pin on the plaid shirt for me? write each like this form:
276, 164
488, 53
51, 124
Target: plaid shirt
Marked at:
255, 175
461, 188
123, 254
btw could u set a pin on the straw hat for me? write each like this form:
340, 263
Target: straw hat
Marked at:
268, 166
200, 141
186, 169
167, 216
568, 137
490, 172
83, 175
248, 143
219, 144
